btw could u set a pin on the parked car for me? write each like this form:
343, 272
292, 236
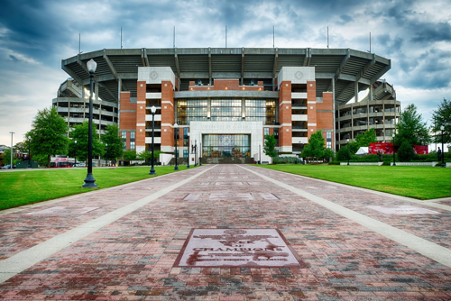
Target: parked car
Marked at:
79, 165
8, 166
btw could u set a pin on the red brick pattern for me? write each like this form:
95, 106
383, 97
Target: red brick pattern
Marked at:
133, 258
285, 113
167, 113
311, 108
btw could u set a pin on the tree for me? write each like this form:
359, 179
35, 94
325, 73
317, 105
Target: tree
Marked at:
129, 155
270, 146
21, 147
343, 154
412, 128
405, 152
111, 137
147, 155
364, 140
442, 117
315, 147
80, 133
7, 157
48, 135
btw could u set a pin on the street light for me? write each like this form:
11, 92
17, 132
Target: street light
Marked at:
90, 181
106, 154
29, 151
187, 165
152, 110
442, 128
176, 126
394, 162
12, 134
347, 146
75, 153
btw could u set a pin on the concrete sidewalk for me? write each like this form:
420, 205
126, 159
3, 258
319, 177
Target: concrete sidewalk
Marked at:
227, 232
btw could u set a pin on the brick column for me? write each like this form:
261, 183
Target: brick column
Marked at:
285, 140
167, 116
311, 108
140, 138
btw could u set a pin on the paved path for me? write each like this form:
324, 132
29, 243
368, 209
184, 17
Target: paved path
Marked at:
122, 243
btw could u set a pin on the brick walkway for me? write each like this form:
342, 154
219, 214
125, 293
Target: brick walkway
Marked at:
122, 243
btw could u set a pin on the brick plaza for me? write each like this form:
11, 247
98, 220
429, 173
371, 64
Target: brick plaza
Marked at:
122, 243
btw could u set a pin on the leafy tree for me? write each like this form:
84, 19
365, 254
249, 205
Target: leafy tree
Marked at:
343, 154
21, 147
364, 140
316, 147
270, 146
129, 155
80, 133
147, 155
7, 157
48, 135
442, 116
412, 128
111, 137
405, 152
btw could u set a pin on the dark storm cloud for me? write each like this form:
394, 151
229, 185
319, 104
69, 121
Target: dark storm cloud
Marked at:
13, 58
389, 44
431, 32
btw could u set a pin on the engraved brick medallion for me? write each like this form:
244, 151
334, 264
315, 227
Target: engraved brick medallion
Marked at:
263, 248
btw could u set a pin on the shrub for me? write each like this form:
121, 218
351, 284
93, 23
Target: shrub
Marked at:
405, 152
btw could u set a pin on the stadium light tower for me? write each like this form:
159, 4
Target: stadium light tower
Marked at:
90, 181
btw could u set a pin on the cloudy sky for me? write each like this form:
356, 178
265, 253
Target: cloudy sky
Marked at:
35, 35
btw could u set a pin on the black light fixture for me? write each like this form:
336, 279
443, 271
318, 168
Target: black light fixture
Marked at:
176, 127
29, 151
187, 165
90, 181
75, 147
442, 128
394, 162
347, 146
106, 154
152, 110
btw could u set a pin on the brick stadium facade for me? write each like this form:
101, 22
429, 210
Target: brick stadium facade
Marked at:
224, 101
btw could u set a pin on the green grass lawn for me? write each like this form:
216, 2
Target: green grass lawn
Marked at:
416, 182
26, 187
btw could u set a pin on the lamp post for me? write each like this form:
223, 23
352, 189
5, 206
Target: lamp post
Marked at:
75, 153
90, 181
442, 128
176, 126
394, 162
200, 160
12, 134
152, 110
29, 151
347, 146
187, 165
106, 154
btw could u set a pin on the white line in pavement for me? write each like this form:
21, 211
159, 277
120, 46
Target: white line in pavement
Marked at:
418, 244
26, 259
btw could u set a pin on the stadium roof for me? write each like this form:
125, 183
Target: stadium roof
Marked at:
346, 66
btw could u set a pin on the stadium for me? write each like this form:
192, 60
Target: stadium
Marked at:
225, 100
